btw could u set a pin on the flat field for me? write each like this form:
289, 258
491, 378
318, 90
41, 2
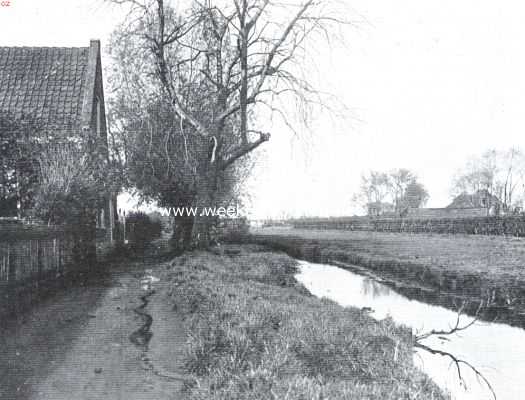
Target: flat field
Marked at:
496, 257
465, 269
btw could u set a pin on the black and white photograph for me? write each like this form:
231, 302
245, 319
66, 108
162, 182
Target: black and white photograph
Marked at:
262, 200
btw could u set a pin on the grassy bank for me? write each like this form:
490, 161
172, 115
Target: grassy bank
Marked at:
488, 268
255, 333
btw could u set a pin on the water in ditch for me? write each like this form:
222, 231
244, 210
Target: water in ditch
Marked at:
496, 351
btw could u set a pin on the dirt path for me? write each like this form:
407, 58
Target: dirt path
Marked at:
114, 339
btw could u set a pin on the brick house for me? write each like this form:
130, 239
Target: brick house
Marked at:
62, 89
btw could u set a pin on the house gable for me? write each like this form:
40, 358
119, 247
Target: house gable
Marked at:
57, 90
93, 105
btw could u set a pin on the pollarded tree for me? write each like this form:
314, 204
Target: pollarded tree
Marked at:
214, 67
166, 164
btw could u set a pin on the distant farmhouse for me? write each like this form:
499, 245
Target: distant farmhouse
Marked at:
480, 199
61, 89
479, 204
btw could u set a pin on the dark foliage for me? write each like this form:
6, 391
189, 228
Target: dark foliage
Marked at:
18, 166
141, 229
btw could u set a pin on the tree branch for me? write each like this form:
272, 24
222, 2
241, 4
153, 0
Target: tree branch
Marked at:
170, 88
456, 328
278, 44
245, 149
457, 362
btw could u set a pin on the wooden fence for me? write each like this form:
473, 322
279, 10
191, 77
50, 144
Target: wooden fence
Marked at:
33, 260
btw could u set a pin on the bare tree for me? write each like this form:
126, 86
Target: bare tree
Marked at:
478, 174
373, 191
69, 184
217, 65
511, 177
499, 173
73, 182
399, 179
405, 190
398, 189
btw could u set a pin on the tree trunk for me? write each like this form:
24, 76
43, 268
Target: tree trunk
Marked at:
203, 234
181, 239
197, 231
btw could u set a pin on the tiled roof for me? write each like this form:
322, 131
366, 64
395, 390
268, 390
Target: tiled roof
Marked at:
45, 83
466, 200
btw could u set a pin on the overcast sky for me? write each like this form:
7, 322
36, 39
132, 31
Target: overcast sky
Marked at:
427, 84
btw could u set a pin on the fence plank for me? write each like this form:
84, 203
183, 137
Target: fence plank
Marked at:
29, 255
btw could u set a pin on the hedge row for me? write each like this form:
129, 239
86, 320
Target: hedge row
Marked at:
511, 225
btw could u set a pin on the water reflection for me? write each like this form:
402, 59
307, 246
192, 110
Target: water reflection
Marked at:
147, 279
371, 287
495, 350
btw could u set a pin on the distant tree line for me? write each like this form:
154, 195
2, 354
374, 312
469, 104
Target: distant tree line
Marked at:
394, 191
499, 175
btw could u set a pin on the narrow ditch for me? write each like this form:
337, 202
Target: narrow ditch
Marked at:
480, 370
142, 336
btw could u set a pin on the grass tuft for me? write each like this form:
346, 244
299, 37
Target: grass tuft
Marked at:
256, 333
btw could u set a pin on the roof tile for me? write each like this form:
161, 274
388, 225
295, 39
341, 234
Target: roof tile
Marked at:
45, 82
